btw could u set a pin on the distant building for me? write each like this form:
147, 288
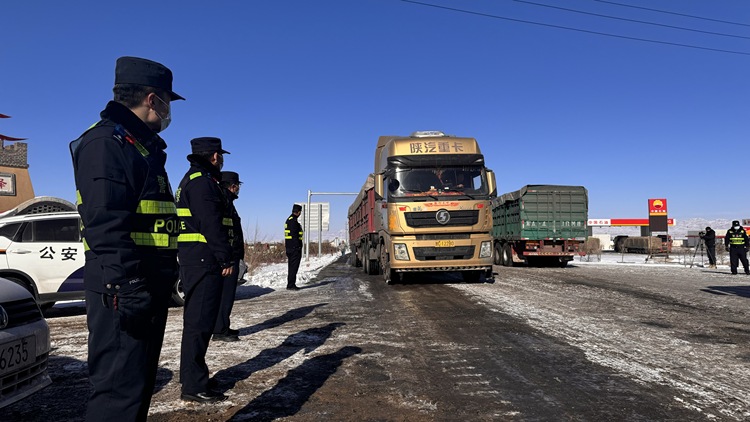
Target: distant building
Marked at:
15, 182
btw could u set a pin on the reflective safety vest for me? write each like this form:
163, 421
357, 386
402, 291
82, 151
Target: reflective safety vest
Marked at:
154, 224
288, 231
737, 237
189, 233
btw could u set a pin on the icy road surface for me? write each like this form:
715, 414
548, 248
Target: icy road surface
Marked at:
591, 342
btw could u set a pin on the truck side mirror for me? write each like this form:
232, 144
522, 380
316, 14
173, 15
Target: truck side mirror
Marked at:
378, 187
491, 184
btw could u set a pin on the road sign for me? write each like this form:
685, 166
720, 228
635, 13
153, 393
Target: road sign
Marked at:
315, 216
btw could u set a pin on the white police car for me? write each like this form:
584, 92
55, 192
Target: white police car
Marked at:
24, 344
44, 253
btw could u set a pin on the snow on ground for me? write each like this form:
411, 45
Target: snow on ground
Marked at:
273, 276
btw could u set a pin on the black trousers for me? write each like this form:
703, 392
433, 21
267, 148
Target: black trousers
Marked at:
711, 252
738, 253
228, 292
123, 357
203, 287
294, 256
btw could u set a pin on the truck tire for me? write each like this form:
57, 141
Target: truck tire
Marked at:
563, 264
389, 276
373, 268
498, 258
507, 256
366, 258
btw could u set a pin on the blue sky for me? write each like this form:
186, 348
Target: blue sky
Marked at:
300, 90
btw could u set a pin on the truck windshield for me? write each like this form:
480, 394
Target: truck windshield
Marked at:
431, 182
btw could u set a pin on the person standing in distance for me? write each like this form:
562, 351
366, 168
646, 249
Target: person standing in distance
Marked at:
293, 235
709, 238
205, 256
230, 182
736, 242
129, 228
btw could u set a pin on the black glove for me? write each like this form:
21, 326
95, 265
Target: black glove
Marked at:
133, 302
727, 248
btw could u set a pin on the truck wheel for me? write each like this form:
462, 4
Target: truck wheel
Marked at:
366, 258
389, 276
507, 256
498, 258
373, 267
563, 264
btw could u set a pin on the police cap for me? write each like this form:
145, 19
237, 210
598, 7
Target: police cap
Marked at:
207, 144
296, 208
230, 177
138, 71
735, 223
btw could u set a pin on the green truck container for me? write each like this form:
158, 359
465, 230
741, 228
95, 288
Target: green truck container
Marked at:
539, 225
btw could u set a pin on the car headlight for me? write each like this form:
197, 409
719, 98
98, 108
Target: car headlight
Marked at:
400, 252
485, 251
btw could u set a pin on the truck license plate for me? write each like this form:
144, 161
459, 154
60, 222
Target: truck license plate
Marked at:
16, 354
444, 244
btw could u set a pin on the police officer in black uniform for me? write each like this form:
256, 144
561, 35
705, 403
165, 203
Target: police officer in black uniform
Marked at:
293, 241
736, 243
709, 238
205, 255
130, 232
230, 182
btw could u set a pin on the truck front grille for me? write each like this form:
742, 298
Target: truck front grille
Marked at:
427, 218
443, 254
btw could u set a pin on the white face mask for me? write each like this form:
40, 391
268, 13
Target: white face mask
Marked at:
166, 120
736, 227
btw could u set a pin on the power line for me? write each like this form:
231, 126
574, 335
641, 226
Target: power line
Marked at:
576, 29
631, 20
672, 13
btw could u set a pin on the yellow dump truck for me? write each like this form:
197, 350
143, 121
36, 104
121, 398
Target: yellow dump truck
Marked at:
425, 208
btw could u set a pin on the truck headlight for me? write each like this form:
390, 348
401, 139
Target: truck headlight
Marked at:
485, 251
400, 252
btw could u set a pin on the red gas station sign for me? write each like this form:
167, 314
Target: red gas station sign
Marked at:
657, 206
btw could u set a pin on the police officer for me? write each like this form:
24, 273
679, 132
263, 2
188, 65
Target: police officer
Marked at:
230, 183
709, 238
205, 256
130, 239
736, 242
293, 241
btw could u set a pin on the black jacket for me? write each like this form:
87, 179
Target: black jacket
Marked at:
710, 238
124, 199
205, 219
736, 238
236, 237
292, 233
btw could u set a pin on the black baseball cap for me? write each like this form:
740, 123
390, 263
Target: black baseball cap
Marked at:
138, 71
207, 144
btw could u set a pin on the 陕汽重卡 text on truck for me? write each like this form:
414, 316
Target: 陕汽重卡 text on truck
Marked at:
425, 208
540, 225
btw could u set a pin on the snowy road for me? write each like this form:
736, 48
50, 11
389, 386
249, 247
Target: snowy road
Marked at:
588, 342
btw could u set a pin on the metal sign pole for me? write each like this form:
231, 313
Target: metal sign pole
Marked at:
307, 220
320, 227
307, 227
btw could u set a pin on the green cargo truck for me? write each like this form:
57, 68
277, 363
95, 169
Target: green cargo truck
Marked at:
539, 225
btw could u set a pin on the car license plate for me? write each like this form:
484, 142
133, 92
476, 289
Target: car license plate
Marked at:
17, 354
444, 244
